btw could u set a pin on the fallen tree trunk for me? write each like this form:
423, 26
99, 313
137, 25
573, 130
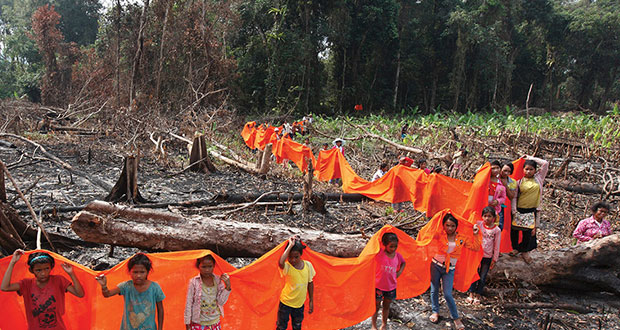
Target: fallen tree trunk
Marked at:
103, 222
578, 187
591, 266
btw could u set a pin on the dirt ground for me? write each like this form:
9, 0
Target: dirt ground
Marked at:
46, 184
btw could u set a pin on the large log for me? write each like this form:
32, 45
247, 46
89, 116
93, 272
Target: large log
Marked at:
590, 266
102, 222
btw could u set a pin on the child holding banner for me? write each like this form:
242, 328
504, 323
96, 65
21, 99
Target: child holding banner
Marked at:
44, 295
389, 265
206, 295
298, 275
142, 296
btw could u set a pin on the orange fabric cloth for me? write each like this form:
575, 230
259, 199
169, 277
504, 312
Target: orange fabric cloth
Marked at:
344, 287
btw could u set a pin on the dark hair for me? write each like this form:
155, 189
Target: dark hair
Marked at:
496, 163
489, 209
437, 169
40, 258
451, 218
600, 205
326, 144
509, 164
387, 238
383, 165
140, 259
203, 259
420, 161
298, 246
531, 163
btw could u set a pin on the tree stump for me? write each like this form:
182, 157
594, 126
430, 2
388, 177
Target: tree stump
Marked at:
266, 159
126, 188
10, 239
199, 157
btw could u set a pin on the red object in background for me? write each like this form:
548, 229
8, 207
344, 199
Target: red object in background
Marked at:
358, 107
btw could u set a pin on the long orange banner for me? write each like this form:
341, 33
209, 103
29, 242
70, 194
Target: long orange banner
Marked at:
344, 287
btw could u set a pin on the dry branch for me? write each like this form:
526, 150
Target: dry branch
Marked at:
100, 183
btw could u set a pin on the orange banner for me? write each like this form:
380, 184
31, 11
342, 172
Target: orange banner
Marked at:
344, 287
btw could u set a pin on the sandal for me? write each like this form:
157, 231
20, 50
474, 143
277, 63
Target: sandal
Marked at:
513, 253
434, 318
458, 324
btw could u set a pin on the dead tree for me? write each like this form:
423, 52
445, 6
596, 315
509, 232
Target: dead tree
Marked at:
199, 157
126, 188
102, 222
311, 201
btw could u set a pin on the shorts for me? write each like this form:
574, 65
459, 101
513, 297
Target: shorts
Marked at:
390, 295
195, 326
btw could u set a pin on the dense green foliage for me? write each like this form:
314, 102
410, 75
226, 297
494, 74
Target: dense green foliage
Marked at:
325, 56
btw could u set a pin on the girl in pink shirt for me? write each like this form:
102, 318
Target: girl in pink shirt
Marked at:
491, 235
206, 295
389, 265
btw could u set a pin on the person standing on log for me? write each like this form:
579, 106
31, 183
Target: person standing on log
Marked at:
44, 295
206, 295
443, 264
595, 226
142, 296
527, 216
298, 275
511, 190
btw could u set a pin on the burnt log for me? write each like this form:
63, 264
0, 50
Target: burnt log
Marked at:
578, 187
102, 222
590, 266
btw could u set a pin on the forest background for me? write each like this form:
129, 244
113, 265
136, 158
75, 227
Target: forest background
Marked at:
312, 56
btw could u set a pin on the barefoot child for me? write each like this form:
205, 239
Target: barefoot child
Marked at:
44, 295
389, 265
206, 295
491, 235
451, 244
298, 275
142, 296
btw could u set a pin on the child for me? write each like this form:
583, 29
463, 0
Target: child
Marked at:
497, 191
389, 265
206, 295
442, 268
491, 235
421, 164
298, 275
325, 146
383, 168
44, 295
527, 217
511, 190
595, 226
338, 145
142, 297
458, 159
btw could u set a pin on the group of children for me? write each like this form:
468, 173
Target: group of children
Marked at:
207, 293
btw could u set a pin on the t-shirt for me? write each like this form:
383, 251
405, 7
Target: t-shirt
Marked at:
296, 284
490, 240
529, 193
385, 270
44, 306
378, 175
209, 311
140, 306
